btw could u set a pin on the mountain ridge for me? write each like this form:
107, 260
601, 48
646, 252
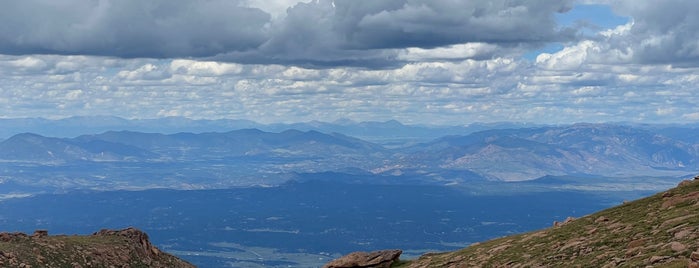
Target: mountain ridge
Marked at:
526, 154
130, 145
238, 157
387, 132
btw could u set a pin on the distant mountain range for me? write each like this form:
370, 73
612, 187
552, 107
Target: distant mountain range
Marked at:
226, 158
390, 132
592, 149
35, 148
137, 146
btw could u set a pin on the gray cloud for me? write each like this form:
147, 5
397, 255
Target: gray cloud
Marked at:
447, 78
317, 33
664, 32
412, 23
369, 32
129, 28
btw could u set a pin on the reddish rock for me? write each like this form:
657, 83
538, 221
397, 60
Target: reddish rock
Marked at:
559, 224
682, 234
601, 219
694, 256
671, 202
40, 233
375, 259
684, 183
5, 237
135, 235
636, 243
677, 246
657, 259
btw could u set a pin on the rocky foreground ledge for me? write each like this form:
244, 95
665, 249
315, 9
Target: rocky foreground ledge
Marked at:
107, 248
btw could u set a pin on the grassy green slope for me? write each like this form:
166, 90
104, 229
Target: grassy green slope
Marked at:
658, 231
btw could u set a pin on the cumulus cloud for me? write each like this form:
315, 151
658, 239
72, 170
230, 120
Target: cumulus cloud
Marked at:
452, 52
439, 92
662, 32
641, 71
392, 32
130, 28
321, 32
406, 23
147, 71
204, 68
420, 62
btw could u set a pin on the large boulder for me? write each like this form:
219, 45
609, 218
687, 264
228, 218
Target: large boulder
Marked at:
375, 259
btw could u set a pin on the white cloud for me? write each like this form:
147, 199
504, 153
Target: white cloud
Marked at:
454, 82
587, 91
691, 116
296, 73
452, 52
446, 92
147, 71
663, 32
317, 33
29, 63
74, 94
204, 68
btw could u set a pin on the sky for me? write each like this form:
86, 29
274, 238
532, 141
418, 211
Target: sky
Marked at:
446, 62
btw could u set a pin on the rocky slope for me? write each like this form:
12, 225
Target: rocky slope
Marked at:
106, 248
657, 231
